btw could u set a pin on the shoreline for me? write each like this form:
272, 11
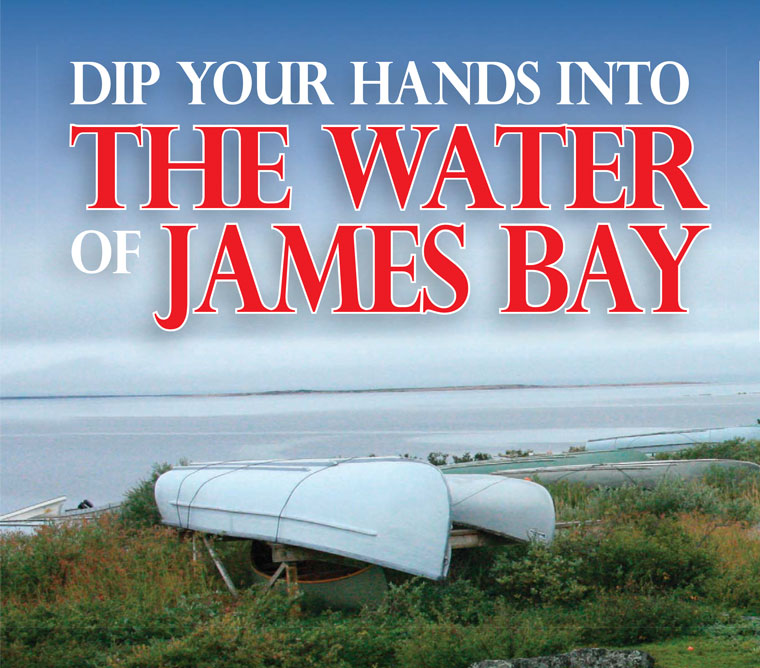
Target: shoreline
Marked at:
375, 390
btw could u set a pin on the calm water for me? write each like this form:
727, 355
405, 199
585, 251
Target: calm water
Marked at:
97, 448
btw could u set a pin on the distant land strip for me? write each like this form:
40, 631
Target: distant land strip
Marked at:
442, 388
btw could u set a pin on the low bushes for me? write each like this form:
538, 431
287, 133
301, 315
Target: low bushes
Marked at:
723, 494
97, 586
646, 566
743, 450
645, 555
139, 507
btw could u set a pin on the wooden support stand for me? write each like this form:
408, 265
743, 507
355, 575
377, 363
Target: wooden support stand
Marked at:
464, 538
220, 566
288, 557
291, 577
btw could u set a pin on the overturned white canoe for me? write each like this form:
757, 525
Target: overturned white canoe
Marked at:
515, 509
43, 510
393, 512
674, 440
641, 474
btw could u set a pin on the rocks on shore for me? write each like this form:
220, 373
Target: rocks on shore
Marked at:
579, 658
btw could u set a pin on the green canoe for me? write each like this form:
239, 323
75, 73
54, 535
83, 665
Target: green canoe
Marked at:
543, 460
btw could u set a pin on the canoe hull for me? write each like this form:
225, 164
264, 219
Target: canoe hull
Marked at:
365, 587
514, 509
45, 509
326, 584
641, 474
544, 460
392, 512
674, 440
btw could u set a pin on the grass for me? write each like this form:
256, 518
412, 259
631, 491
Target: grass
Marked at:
703, 652
662, 570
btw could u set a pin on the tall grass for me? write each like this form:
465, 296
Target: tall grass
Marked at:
732, 494
70, 588
100, 559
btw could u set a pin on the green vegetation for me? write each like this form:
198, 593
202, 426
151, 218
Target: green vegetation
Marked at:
441, 458
748, 451
666, 570
723, 645
139, 507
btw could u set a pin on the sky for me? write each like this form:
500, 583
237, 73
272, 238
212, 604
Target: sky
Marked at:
64, 332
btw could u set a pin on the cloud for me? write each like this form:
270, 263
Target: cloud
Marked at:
197, 366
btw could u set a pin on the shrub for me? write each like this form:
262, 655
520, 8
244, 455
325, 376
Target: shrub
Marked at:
139, 507
740, 486
516, 452
572, 500
508, 633
74, 594
438, 458
746, 451
467, 457
539, 573
650, 554
458, 601
616, 619
261, 631
671, 497
99, 560
474, 566
735, 581
639, 556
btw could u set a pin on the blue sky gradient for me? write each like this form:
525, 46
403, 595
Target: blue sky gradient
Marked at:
64, 332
